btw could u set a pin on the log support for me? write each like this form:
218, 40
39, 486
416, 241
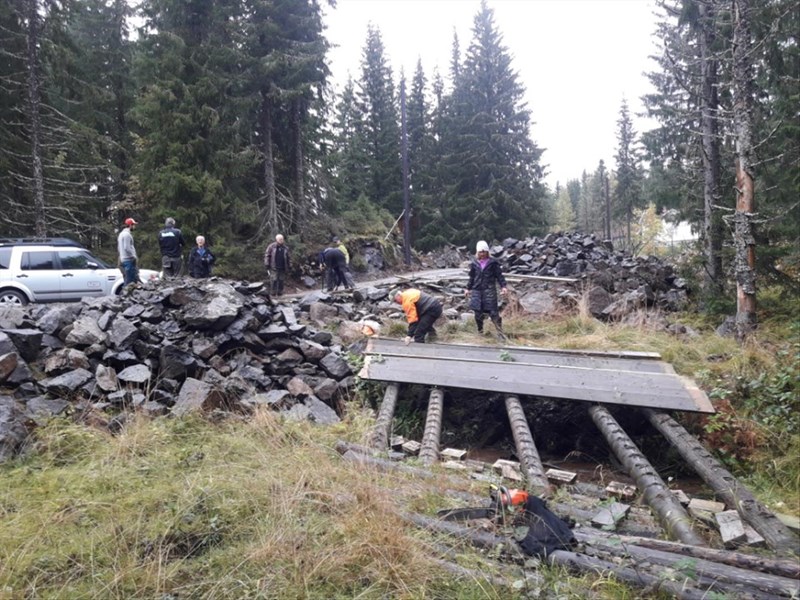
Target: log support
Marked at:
429, 452
725, 486
526, 450
383, 425
656, 493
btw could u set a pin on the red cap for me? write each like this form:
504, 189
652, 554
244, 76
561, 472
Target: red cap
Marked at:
129, 222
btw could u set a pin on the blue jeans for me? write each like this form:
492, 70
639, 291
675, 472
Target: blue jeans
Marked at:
130, 272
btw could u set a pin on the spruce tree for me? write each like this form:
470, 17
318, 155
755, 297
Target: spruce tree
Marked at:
491, 169
194, 161
627, 193
381, 125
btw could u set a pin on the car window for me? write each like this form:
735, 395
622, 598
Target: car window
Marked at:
42, 260
5, 258
73, 259
97, 261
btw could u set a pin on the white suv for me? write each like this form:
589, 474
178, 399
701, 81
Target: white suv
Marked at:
55, 270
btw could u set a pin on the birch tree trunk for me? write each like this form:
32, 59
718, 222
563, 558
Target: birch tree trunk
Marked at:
744, 243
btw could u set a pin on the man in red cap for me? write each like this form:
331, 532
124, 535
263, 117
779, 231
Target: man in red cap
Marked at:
127, 253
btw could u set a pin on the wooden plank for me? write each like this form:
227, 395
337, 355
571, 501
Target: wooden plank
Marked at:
453, 453
621, 490
521, 355
658, 390
560, 476
378, 345
411, 447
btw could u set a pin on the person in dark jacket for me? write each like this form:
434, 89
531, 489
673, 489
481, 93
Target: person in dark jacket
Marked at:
201, 260
171, 243
277, 262
335, 266
421, 311
348, 275
485, 274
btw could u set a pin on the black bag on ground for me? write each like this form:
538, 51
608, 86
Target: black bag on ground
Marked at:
546, 531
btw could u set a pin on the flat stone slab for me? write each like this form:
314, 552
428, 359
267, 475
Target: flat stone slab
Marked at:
731, 528
608, 516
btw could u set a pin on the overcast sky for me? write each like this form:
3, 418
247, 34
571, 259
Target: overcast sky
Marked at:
576, 58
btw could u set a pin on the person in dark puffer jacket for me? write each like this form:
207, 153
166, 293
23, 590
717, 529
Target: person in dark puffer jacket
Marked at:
485, 274
201, 260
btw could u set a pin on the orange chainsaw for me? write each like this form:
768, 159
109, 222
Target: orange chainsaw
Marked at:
502, 499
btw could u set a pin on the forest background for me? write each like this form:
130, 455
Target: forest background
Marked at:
221, 115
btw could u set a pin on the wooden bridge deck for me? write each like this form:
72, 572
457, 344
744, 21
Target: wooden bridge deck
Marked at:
624, 378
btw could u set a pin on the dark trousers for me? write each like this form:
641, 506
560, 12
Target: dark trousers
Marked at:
425, 324
494, 316
171, 265
276, 279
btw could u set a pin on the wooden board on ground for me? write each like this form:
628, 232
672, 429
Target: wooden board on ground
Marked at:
618, 489
499, 371
559, 476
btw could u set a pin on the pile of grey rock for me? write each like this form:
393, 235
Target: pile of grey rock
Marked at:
616, 283
166, 348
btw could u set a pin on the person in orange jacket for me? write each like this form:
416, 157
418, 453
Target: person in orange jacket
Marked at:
421, 311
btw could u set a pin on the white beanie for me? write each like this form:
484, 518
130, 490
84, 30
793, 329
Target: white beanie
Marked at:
482, 247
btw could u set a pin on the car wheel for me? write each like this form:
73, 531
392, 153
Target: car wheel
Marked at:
13, 297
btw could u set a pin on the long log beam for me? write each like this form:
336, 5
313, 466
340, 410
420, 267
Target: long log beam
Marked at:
526, 448
656, 493
725, 486
714, 573
751, 562
383, 424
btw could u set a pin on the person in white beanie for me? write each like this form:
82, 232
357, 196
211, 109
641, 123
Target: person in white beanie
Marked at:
485, 274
